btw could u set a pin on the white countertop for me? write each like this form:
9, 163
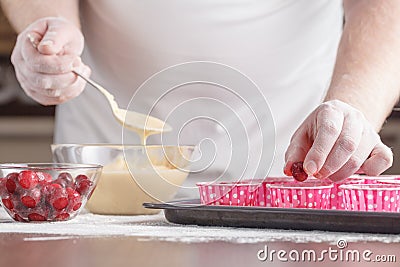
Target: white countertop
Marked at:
152, 227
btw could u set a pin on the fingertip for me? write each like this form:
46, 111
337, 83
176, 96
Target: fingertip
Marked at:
371, 171
287, 169
381, 159
340, 175
360, 171
319, 176
287, 172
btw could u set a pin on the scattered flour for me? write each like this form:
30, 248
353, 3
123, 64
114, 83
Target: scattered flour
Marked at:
155, 227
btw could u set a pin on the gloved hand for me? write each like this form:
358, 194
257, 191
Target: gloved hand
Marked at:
43, 57
336, 141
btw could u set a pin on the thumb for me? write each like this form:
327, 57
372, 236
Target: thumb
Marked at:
52, 42
60, 37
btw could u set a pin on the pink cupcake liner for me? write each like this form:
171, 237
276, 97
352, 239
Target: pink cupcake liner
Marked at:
252, 192
259, 196
285, 192
337, 194
336, 202
259, 193
311, 194
371, 197
266, 199
229, 194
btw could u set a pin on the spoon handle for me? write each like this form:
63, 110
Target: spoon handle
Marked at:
102, 90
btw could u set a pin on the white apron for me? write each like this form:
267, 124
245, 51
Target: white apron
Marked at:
286, 47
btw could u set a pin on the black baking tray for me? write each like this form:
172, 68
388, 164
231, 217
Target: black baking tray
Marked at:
193, 213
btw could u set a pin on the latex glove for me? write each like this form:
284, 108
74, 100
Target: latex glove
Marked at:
336, 141
43, 57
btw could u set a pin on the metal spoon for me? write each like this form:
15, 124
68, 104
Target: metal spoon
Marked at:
135, 121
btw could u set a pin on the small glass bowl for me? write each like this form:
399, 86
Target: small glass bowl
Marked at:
37, 192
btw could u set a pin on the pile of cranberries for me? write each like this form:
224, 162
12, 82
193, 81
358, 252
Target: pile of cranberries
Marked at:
36, 196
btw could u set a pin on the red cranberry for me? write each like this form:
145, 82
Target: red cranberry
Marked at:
11, 184
77, 206
54, 186
49, 189
60, 203
64, 179
31, 198
75, 200
57, 197
41, 210
28, 201
28, 179
62, 216
82, 184
36, 217
298, 172
7, 202
44, 177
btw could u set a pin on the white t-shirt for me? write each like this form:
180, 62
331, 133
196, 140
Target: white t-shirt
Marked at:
286, 47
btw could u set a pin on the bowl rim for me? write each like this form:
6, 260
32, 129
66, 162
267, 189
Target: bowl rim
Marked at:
48, 166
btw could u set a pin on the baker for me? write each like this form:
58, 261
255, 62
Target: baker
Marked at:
338, 84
